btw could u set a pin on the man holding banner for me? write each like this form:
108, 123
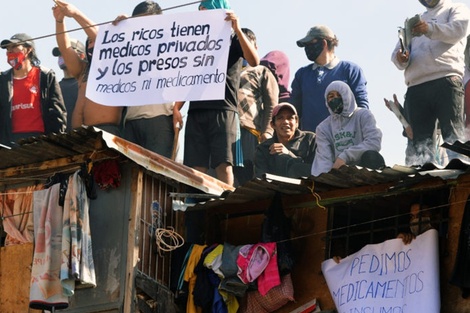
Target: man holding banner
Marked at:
150, 125
178, 57
387, 277
87, 111
212, 130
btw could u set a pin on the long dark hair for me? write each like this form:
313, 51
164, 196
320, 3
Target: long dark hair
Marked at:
33, 57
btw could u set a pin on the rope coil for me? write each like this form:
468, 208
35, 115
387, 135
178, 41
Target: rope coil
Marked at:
167, 239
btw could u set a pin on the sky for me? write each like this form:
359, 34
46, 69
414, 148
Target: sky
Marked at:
366, 29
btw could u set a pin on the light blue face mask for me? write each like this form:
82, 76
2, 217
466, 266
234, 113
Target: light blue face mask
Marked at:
61, 63
429, 3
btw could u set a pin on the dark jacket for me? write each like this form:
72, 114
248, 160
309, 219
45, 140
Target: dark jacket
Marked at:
54, 113
295, 165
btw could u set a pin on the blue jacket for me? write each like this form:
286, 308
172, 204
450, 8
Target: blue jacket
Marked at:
308, 94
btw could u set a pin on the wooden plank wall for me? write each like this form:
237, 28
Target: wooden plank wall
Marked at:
15, 275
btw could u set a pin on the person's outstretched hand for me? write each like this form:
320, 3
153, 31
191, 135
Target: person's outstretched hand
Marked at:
406, 237
337, 259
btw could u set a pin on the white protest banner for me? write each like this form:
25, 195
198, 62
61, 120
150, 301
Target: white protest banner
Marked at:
390, 277
161, 58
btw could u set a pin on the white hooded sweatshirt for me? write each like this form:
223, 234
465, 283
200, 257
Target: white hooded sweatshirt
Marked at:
439, 53
346, 135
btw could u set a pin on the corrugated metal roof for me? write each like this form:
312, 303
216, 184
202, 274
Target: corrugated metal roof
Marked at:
44, 148
39, 157
44, 155
396, 179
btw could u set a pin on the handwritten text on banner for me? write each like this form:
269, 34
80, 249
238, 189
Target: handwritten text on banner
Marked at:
161, 58
390, 277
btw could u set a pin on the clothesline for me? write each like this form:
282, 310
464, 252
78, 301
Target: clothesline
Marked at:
295, 238
365, 223
2, 217
103, 23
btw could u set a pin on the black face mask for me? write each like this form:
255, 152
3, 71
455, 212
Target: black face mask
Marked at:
313, 50
336, 105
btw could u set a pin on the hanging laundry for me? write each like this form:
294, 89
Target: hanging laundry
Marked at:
16, 207
213, 261
77, 264
231, 283
190, 277
63, 250
259, 262
205, 290
46, 289
182, 288
107, 174
86, 173
277, 228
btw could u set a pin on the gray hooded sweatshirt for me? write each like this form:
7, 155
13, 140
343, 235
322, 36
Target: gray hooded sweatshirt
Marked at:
346, 135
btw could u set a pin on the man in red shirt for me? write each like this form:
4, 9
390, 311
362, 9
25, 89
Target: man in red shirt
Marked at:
31, 102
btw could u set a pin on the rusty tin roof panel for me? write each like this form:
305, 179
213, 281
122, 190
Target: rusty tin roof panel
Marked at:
89, 140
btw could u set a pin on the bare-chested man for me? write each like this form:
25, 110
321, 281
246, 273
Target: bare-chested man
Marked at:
86, 112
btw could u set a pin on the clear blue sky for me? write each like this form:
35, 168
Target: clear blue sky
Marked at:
366, 29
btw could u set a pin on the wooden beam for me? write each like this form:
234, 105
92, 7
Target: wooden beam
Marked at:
152, 296
327, 198
45, 169
363, 193
133, 238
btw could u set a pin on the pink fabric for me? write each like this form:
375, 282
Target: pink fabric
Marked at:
251, 262
16, 207
259, 261
46, 289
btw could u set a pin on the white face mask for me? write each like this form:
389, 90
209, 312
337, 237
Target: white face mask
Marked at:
61, 63
416, 225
